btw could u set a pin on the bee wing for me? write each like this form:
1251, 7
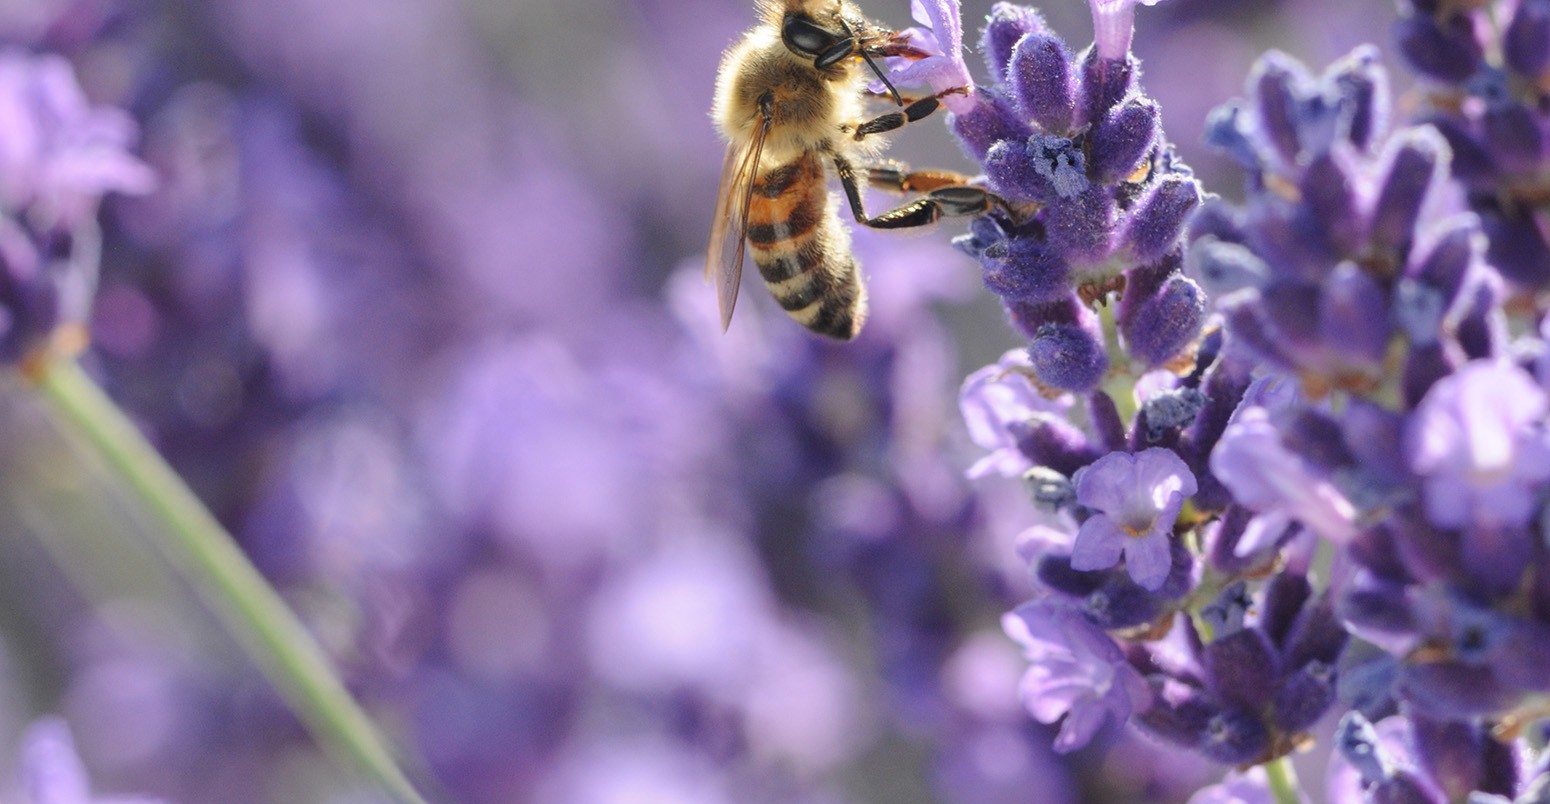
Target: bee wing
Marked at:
724, 257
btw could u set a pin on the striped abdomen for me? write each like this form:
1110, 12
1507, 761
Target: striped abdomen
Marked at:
803, 251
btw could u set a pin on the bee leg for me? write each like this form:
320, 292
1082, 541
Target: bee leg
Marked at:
916, 110
897, 177
947, 200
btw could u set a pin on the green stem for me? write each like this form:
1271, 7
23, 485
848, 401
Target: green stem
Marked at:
1121, 382
203, 552
1283, 781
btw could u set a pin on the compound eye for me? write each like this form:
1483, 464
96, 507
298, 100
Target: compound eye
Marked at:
803, 36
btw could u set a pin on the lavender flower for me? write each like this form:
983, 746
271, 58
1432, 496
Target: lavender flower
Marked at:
1372, 761
58, 158
1415, 759
1098, 198
324, 241
1341, 248
1245, 695
1136, 499
1250, 787
1483, 73
1113, 25
1417, 447
1478, 439
61, 155
1077, 673
1264, 475
942, 37
52, 772
1000, 406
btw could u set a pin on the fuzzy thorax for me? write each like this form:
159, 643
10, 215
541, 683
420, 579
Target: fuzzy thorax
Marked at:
811, 105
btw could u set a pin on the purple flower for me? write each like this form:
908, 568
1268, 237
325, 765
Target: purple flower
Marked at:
1263, 474
996, 402
943, 37
51, 769
60, 155
1414, 758
1137, 498
1077, 673
1113, 25
1106, 197
1248, 787
1478, 439
1366, 754
632, 766
685, 617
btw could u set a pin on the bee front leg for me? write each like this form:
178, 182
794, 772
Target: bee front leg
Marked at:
914, 111
947, 196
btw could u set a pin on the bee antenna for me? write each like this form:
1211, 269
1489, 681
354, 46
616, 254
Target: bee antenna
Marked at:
881, 76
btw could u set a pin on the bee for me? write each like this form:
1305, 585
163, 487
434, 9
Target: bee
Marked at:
790, 101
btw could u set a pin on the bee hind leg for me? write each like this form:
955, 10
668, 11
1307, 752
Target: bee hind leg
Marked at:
946, 195
897, 177
946, 202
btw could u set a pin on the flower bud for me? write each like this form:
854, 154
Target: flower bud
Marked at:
1044, 168
1513, 135
1416, 164
1007, 23
1364, 88
992, 120
1081, 227
1121, 603
1040, 77
1277, 84
1329, 192
1066, 350
1104, 83
1026, 269
1162, 326
1526, 44
1241, 668
1516, 248
1445, 50
1304, 698
1234, 736
1159, 217
1449, 690
1124, 136
1353, 315
1447, 264
1222, 268
1053, 442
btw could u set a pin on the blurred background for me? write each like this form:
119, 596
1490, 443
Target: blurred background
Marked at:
416, 308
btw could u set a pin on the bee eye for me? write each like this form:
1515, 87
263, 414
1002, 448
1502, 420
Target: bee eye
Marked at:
804, 37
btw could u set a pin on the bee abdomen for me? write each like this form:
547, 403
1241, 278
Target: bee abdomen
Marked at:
825, 295
803, 251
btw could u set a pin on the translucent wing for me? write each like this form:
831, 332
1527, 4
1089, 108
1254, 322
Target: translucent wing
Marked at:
724, 257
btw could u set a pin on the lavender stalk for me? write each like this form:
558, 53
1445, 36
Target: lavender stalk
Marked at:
201, 550
1282, 780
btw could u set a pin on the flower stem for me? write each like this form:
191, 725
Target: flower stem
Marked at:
1121, 381
201, 550
1283, 781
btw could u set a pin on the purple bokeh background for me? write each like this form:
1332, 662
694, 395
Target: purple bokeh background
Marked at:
416, 309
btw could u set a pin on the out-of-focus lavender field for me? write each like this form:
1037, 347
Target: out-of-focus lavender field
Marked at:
415, 306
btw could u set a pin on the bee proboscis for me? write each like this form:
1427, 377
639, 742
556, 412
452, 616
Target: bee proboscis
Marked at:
790, 102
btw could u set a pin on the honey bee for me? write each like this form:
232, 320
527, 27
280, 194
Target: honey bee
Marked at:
790, 101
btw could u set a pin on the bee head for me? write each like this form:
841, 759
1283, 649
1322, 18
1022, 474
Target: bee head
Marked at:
825, 43
833, 35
